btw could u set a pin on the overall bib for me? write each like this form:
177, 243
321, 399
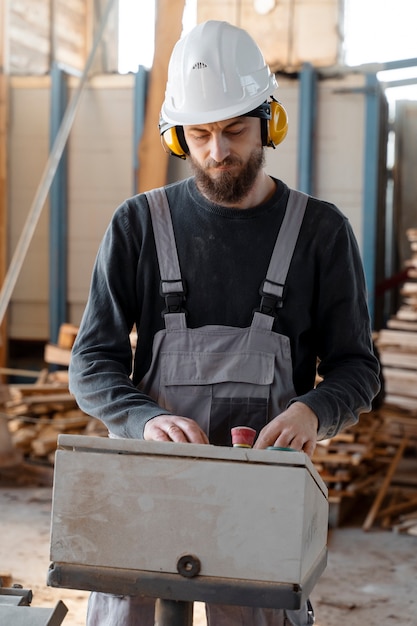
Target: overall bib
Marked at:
220, 376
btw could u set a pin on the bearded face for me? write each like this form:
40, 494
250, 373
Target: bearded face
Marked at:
229, 181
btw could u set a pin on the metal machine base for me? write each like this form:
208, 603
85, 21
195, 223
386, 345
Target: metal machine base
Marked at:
177, 588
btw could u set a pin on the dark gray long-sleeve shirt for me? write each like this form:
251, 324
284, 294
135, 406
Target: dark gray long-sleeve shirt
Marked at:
224, 255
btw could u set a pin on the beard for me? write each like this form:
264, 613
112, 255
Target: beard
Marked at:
228, 187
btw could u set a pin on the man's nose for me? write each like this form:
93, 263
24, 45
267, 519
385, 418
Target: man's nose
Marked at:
219, 148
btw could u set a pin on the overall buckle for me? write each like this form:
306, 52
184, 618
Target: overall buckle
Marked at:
271, 301
173, 299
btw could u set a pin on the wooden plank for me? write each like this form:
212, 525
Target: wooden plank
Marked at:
400, 381
373, 512
56, 355
401, 507
153, 161
21, 390
393, 358
388, 337
401, 402
50, 398
3, 191
397, 324
3, 168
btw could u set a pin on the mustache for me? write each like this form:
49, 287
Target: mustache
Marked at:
212, 163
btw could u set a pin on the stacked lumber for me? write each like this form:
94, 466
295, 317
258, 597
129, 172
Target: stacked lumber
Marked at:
397, 344
375, 461
343, 463
37, 413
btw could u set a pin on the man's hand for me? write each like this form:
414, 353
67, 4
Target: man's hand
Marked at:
174, 428
295, 428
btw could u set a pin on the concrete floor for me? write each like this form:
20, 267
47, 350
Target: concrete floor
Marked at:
371, 578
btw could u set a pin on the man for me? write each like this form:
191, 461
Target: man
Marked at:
236, 285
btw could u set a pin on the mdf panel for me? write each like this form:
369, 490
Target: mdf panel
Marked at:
289, 32
28, 153
70, 32
29, 35
100, 175
317, 33
40, 32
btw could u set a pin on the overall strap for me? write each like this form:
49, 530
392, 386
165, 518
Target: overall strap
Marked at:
172, 287
272, 289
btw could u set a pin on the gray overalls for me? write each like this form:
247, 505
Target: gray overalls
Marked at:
221, 377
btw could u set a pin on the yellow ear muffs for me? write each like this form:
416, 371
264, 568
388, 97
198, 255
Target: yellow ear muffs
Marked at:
174, 142
277, 126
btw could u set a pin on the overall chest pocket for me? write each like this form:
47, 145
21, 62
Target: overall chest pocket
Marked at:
219, 390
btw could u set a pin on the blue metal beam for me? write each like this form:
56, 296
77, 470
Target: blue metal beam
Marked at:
370, 187
57, 212
405, 82
396, 65
141, 83
307, 118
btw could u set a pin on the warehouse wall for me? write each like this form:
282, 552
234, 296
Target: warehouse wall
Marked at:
101, 174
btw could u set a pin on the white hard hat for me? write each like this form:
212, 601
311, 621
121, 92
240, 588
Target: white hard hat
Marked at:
216, 72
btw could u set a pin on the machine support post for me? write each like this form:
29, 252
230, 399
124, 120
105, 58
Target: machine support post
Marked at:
173, 613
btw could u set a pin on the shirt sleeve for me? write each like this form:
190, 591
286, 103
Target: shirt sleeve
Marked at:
101, 361
348, 371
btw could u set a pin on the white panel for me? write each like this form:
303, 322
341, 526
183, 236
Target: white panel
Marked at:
29, 146
101, 176
339, 144
340, 147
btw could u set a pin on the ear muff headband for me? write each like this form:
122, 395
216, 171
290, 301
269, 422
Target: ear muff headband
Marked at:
274, 128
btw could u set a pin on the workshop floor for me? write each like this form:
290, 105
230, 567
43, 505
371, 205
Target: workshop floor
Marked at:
370, 580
